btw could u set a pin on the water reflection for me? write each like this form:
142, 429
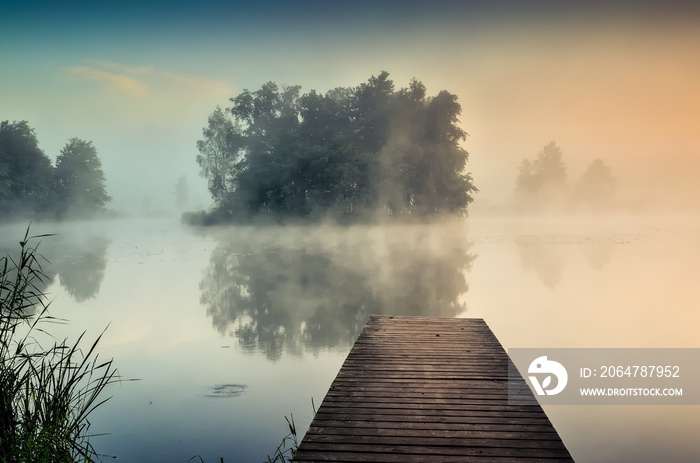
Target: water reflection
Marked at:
81, 267
546, 260
598, 254
548, 257
79, 264
293, 289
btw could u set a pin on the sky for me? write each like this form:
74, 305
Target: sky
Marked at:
613, 80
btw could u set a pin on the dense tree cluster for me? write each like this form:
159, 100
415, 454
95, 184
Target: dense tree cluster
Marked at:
542, 183
349, 152
29, 183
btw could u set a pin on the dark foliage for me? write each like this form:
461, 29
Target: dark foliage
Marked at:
352, 152
25, 171
30, 185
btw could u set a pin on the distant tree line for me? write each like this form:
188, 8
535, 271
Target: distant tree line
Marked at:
31, 184
351, 152
542, 183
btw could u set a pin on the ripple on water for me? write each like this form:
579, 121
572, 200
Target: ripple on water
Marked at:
224, 391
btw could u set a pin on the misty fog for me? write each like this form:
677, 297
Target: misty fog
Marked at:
270, 313
577, 123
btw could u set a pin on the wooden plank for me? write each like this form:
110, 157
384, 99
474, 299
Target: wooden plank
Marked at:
436, 442
418, 389
436, 405
386, 454
395, 457
515, 426
433, 433
421, 418
359, 413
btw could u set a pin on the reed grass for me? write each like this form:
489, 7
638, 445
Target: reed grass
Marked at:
47, 388
288, 447
285, 451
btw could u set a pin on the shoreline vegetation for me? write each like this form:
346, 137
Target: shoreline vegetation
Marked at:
31, 186
48, 387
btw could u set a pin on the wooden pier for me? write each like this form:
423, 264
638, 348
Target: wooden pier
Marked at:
419, 389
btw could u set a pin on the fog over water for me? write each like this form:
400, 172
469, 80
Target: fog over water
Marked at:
231, 328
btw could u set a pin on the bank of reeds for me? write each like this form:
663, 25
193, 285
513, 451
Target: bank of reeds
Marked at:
48, 387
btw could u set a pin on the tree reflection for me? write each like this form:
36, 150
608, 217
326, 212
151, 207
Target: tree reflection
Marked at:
37, 274
291, 289
79, 263
598, 254
546, 259
81, 267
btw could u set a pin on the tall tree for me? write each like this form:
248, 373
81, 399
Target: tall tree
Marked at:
272, 180
544, 176
549, 167
79, 180
526, 184
444, 186
219, 155
597, 185
25, 171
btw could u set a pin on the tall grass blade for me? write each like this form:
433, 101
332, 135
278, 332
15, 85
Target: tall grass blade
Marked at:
46, 393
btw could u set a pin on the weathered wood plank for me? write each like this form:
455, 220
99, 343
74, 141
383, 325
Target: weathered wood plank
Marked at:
443, 382
437, 405
424, 453
327, 430
516, 426
425, 389
442, 393
436, 442
378, 400
421, 418
351, 457
365, 413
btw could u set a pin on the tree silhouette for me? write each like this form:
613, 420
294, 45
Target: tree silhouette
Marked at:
542, 182
219, 155
596, 187
79, 180
544, 175
25, 171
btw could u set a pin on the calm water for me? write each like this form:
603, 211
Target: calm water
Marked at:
229, 330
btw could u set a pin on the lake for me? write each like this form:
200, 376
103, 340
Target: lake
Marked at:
229, 330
